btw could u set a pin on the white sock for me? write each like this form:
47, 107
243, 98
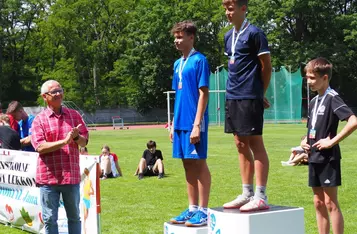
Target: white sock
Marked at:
203, 209
260, 192
248, 190
192, 208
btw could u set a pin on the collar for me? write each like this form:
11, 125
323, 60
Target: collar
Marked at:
49, 112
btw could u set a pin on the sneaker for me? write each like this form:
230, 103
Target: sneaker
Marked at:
160, 176
183, 217
284, 164
237, 203
255, 205
198, 219
141, 176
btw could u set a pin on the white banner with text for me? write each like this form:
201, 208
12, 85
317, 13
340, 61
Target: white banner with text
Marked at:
20, 204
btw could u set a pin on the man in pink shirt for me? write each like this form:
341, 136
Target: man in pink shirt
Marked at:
57, 133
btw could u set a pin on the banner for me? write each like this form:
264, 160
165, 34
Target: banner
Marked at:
20, 204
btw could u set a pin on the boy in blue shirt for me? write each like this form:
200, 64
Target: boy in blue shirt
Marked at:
322, 142
189, 133
249, 72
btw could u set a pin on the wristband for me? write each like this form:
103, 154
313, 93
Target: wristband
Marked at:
76, 138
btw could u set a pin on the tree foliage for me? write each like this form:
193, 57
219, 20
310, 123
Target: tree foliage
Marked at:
110, 53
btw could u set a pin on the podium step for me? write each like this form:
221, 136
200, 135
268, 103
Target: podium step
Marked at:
182, 229
276, 220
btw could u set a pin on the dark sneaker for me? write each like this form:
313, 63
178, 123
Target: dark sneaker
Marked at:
160, 176
140, 176
183, 217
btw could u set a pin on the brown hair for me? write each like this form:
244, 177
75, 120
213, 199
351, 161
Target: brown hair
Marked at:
237, 2
106, 147
186, 26
151, 144
86, 171
320, 66
13, 107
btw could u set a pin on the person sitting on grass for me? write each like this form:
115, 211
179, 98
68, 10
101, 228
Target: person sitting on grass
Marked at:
151, 162
83, 151
109, 164
298, 156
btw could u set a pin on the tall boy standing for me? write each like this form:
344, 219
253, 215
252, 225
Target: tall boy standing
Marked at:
249, 73
189, 133
325, 111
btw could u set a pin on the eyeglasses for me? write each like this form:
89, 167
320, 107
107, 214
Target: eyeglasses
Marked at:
54, 92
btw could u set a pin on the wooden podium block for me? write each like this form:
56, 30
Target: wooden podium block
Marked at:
182, 229
276, 220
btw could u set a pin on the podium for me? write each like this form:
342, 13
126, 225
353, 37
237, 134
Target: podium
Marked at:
170, 228
276, 220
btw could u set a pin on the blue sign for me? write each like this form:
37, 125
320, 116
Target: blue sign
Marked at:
213, 221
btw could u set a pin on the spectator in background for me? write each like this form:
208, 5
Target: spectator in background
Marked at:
298, 156
9, 139
14, 114
57, 133
151, 162
25, 125
109, 164
83, 151
18, 113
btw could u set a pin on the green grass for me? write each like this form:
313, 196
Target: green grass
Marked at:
133, 206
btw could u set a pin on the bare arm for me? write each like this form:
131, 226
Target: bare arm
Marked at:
201, 108
118, 168
304, 144
48, 147
171, 135
350, 127
26, 141
82, 141
265, 62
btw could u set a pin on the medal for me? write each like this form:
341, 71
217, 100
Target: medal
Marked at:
312, 134
235, 41
231, 60
182, 66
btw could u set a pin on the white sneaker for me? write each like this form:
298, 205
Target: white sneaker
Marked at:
255, 204
240, 201
284, 164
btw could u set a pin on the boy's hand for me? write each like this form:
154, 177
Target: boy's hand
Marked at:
171, 135
266, 103
195, 134
325, 143
304, 145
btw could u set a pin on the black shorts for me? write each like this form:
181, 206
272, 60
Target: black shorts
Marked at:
244, 117
325, 174
149, 171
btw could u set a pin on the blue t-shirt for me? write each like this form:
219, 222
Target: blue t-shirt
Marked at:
194, 76
244, 76
25, 130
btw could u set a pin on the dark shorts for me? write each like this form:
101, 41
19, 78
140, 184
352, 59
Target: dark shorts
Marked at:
150, 172
325, 174
244, 117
